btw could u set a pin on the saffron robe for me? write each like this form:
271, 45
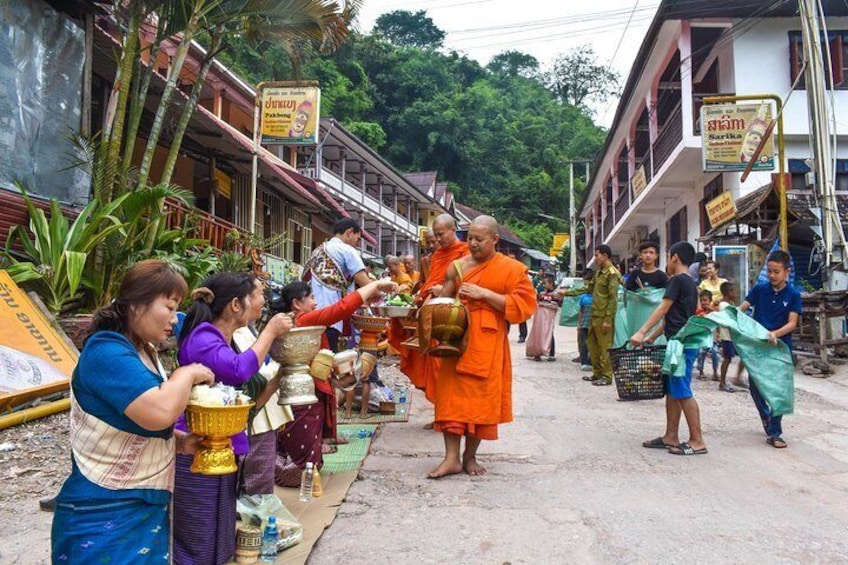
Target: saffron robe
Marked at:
474, 391
422, 369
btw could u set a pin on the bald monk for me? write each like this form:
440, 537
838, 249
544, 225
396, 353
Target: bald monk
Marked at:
474, 391
424, 262
422, 369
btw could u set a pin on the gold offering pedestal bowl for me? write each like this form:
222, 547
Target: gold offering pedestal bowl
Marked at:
371, 327
294, 352
445, 320
216, 424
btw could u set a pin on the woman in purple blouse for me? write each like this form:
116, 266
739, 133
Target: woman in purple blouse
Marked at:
205, 505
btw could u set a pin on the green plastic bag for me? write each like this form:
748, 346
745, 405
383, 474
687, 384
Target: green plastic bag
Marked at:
570, 309
634, 309
769, 366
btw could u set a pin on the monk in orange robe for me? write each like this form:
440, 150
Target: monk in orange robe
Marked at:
474, 391
426, 256
422, 369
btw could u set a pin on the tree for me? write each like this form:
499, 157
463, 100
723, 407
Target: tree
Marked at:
514, 64
409, 29
578, 79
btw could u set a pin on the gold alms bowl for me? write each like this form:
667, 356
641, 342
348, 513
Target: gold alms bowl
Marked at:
216, 424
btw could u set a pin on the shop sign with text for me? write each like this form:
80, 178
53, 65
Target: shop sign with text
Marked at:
731, 134
290, 115
721, 209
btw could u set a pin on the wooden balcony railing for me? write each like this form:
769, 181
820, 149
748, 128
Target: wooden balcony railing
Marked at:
205, 226
609, 224
668, 139
622, 204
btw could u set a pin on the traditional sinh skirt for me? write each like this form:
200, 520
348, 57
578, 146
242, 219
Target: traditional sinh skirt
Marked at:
257, 467
127, 531
204, 516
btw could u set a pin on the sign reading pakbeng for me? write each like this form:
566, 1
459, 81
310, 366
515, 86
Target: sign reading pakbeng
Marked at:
721, 209
290, 115
730, 135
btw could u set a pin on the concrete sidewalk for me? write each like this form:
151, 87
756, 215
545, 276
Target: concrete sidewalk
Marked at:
569, 482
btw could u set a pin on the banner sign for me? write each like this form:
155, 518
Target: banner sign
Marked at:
639, 181
290, 115
721, 209
34, 359
731, 134
560, 241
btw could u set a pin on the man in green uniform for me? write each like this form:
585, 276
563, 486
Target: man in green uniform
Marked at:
604, 289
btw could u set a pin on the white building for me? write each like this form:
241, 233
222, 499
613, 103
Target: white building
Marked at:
692, 50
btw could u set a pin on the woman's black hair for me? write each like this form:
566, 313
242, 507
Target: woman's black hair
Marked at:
297, 290
142, 284
212, 298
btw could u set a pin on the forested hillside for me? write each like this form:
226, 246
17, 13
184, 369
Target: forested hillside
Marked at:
500, 134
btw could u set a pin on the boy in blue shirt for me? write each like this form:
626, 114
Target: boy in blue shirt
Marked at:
584, 321
777, 307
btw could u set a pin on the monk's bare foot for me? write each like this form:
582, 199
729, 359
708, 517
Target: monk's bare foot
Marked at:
470, 465
348, 414
429, 426
444, 469
364, 415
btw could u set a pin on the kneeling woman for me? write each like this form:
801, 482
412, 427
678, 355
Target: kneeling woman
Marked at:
301, 439
123, 409
205, 505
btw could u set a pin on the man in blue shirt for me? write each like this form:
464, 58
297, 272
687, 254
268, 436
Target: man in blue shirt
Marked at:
777, 306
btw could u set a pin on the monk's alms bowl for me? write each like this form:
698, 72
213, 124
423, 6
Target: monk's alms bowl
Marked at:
386, 311
298, 347
216, 424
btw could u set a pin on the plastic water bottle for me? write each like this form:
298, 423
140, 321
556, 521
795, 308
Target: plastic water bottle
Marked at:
402, 405
268, 552
306, 480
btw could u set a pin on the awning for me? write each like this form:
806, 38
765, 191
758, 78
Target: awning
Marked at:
319, 191
538, 255
801, 203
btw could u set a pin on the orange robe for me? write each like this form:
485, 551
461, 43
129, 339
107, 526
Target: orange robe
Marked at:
422, 369
403, 279
474, 392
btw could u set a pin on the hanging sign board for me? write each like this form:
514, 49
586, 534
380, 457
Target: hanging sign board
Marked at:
721, 209
34, 359
290, 115
731, 134
639, 181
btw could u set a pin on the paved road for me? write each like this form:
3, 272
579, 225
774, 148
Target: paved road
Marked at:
569, 482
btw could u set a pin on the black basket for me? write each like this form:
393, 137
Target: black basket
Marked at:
638, 372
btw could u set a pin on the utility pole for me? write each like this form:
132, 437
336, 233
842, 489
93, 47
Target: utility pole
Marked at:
572, 230
832, 235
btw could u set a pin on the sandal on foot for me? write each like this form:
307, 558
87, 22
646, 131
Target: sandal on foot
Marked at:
657, 443
776, 442
588, 378
686, 449
727, 388
603, 381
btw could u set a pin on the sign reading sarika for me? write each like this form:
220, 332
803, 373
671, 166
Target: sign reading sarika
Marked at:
731, 134
290, 115
32, 354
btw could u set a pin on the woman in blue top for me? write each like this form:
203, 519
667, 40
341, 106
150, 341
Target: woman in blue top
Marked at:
114, 505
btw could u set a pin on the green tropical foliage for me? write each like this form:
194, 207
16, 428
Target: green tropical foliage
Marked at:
56, 254
501, 135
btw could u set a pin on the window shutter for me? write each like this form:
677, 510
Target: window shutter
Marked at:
796, 58
835, 45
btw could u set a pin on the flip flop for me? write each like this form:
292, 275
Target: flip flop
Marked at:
777, 442
657, 443
686, 449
